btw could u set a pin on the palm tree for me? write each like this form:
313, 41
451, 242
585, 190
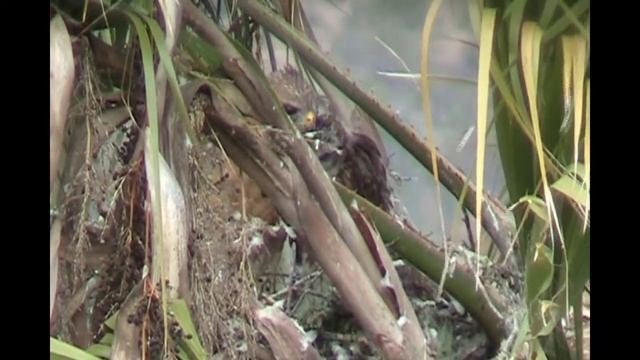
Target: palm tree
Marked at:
192, 213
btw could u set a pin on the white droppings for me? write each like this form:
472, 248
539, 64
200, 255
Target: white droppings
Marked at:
354, 204
341, 354
309, 337
288, 229
242, 347
256, 240
452, 265
386, 281
402, 320
279, 304
457, 306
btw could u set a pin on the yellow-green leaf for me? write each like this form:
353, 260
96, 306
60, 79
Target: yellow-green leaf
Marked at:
579, 243
107, 339
426, 107
521, 337
207, 58
567, 51
547, 12
515, 25
539, 272
191, 345
530, 53
573, 189
152, 152
63, 351
530, 45
567, 19
167, 63
587, 152
579, 66
537, 353
111, 321
486, 46
100, 350
578, 170
544, 315
534, 204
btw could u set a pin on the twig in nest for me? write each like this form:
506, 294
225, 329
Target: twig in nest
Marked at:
467, 224
309, 277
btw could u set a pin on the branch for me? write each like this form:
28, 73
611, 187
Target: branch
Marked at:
429, 259
285, 336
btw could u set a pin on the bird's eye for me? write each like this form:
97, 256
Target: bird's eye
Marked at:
310, 119
290, 109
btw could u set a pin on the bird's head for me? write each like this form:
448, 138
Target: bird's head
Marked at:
305, 121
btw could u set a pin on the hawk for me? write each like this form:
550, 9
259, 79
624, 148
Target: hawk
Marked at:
349, 149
